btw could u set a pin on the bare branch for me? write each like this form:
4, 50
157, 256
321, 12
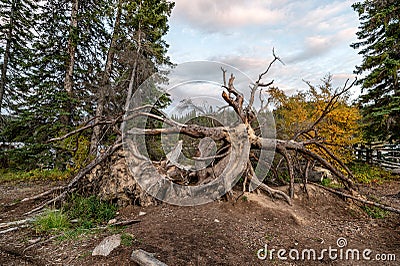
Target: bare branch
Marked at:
276, 58
258, 83
195, 131
41, 195
330, 154
79, 130
283, 151
269, 144
165, 119
20, 222
224, 76
368, 202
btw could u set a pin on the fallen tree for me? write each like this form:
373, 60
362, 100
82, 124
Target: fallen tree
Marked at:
225, 154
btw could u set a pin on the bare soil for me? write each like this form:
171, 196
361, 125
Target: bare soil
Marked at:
219, 233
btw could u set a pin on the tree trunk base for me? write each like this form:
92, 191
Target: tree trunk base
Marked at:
113, 181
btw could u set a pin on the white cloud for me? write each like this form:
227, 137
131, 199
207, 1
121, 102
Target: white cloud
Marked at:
213, 16
312, 37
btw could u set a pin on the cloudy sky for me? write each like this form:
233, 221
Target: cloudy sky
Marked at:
312, 37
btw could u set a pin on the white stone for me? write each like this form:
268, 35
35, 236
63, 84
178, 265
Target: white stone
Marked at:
112, 221
107, 245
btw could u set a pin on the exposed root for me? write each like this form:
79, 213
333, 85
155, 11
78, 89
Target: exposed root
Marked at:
20, 222
44, 194
272, 192
359, 199
12, 229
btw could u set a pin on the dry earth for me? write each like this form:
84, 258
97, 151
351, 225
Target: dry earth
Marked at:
219, 233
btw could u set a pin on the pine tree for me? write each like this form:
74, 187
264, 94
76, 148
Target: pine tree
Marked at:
16, 34
85, 58
136, 51
379, 38
104, 88
68, 52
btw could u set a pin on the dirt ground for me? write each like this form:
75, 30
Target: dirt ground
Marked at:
219, 233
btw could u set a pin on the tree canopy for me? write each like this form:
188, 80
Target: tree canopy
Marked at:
70, 64
379, 35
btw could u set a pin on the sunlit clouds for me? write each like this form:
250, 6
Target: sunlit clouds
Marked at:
312, 37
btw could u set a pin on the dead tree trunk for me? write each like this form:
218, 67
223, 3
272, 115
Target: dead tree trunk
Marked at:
70, 65
247, 116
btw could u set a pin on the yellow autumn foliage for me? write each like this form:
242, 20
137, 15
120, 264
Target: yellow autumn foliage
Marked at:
338, 130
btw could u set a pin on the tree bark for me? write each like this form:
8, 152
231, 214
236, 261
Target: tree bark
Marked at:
69, 74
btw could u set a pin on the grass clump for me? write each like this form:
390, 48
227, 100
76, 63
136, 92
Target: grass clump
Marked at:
127, 239
52, 221
328, 182
89, 211
375, 212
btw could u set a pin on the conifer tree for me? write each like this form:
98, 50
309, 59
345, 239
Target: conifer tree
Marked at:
137, 44
16, 34
379, 37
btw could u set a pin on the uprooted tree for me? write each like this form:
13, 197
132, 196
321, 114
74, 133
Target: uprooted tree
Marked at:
134, 170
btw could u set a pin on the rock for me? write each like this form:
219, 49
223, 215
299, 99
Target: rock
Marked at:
107, 245
112, 221
144, 258
142, 213
318, 173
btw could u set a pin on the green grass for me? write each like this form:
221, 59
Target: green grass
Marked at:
33, 175
327, 182
375, 212
52, 221
127, 240
90, 212
74, 233
366, 174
